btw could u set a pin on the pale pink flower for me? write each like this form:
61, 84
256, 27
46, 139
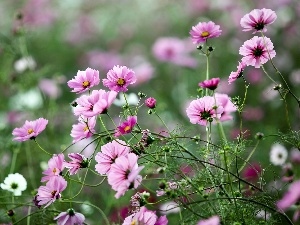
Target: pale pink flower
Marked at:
214, 220
253, 113
84, 80
257, 19
203, 109
124, 174
78, 161
70, 218
257, 51
126, 127
173, 50
96, 103
228, 107
235, 75
109, 153
119, 78
291, 197
50, 88
30, 130
204, 30
143, 72
84, 129
211, 84
52, 191
55, 167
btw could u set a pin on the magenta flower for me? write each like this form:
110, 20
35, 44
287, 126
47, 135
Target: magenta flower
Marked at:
96, 103
204, 30
84, 80
257, 51
55, 167
51, 192
203, 109
224, 101
214, 220
145, 217
291, 197
150, 102
84, 129
211, 84
109, 153
235, 75
30, 130
119, 78
78, 162
70, 218
257, 19
124, 174
126, 127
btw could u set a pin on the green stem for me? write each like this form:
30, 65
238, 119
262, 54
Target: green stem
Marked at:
249, 156
207, 72
13, 161
42, 148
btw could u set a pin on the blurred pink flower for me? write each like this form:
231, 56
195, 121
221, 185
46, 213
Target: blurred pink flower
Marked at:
84, 80
55, 167
252, 172
214, 220
211, 84
96, 103
143, 72
124, 174
78, 161
50, 88
84, 129
70, 218
126, 127
119, 78
201, 110
150, 102
235, 75
174, 50
291, 197
51, 192
225, 88
109, 153
295, 156
287, 173
254, 76
204, 30
30, 130
253, 113
257, 51
224, 101
257, 19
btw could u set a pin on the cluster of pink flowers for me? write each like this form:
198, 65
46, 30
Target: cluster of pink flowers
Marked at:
120, 165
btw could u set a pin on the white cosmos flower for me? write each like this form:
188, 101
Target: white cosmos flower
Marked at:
132, 99
169, 207
15, 183
24, 63
278, 154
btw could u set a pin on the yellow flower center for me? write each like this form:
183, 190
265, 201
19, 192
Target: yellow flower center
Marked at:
85, 129
85, 84
127, 128
54, 170
121, 82
204, 34
30, 131
133, 222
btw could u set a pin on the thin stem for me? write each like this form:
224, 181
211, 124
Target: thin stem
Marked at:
42, 148
13, 161
249, 156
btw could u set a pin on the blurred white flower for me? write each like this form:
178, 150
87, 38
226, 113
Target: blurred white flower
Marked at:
86, 209
24, 63
169, 207
15, 183
132, 99
278, 154
31, 99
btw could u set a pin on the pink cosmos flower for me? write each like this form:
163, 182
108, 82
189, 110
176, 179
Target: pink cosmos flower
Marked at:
50, 88
145, 217
214, 220
109, 153
84, 129
70, 218
78, 162
55, 167
124, 174
291, 197
252, 172
228, 107
96, 103
119, 78
126, 127
203, 109
257, 19
235, 75
30, 130
211, 84
257, 51
204, 30
173, 50
150, 102
84, 80
143, 72
49, 193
